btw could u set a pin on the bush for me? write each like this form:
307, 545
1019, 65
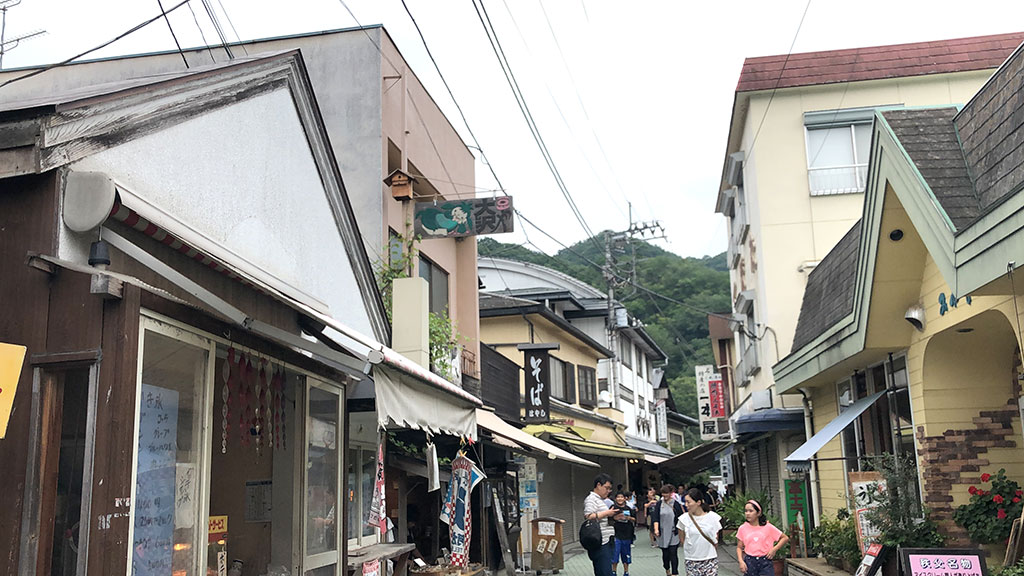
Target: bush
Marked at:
989, 515
1015, 570
731, 509
899, 516
836, 539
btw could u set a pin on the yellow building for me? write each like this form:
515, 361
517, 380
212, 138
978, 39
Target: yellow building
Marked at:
792, 186
908, 338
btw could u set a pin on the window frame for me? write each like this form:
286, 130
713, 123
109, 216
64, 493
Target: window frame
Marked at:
587, 385
433, 269
626, 355
556, 366
859, 165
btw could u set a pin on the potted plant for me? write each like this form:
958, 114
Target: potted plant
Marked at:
779, 562
836, 540
988, 516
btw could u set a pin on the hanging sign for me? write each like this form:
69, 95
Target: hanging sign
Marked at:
708, 425
11, 358
378, 506
716, 396
537, 407
457, 512
661, 420
460, 218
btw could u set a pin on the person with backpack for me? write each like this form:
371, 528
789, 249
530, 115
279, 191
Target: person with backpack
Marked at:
601, 548
666, 514
757, 542
698, 534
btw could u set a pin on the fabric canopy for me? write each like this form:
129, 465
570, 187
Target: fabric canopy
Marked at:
800, 459
490, 421
654, 459
406, 401
601, 449
696, 459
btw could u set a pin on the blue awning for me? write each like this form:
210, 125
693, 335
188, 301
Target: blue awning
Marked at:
800, 459
770, 420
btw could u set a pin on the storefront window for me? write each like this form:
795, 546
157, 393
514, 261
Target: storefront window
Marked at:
323, 474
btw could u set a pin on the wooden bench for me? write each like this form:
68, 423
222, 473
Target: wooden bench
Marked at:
399, 553
813, 567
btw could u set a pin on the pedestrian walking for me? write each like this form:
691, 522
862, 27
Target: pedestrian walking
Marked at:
757, 542
666, 513
625, 534
698, 533
652, 500
594, 508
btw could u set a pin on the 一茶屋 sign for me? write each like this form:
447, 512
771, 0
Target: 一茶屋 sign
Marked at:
460, 218
537, 402
710, 401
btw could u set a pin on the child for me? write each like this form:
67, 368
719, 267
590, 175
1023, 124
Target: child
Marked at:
652, 501
625, 533
757, 542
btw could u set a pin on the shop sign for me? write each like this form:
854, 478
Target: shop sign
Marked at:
11, 358
457, 512
537, 408
661, 420
873, 560
708, 421
725, 465
460, 218
716, 392
943, 562
864, 486
796, 504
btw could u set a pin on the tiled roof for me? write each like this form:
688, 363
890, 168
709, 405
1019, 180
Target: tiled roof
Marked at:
878, 62
492, 301
929, 137
830, 289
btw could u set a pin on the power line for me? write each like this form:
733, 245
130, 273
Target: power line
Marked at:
499, 53
201, 33
160, 3
100, 47
217, 28
232, 24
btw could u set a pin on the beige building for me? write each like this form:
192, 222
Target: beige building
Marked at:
793, 184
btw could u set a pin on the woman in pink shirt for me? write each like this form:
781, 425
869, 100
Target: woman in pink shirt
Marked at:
757, 542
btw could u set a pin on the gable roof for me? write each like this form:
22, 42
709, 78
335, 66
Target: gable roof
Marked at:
876, 62
830, 289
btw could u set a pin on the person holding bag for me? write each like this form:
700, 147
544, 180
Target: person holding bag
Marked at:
698, 533
757, 542
665, 514
595, 510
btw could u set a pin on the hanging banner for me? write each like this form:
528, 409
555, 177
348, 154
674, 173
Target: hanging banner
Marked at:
708, 425
457, 512
537, 408
716, 396
460, 218
378, 508
661, 421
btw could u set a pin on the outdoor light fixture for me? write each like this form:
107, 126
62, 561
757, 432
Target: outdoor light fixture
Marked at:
896, 235
915, 315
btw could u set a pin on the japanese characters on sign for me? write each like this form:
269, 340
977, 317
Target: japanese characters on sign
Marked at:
537, 403
456, 511
864, 487
460, 218
707, 410
716, 391
943, 562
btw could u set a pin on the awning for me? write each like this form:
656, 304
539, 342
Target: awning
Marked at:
800, 459
490, 421
649, 448
601, 449
770, 420
654, 459
408, 402
696, 459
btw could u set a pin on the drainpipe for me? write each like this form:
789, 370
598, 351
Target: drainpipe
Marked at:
808, 433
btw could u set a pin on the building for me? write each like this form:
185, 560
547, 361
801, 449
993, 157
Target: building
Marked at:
793, 184
909, 333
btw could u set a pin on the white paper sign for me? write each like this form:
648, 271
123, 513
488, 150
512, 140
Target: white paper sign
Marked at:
545, 528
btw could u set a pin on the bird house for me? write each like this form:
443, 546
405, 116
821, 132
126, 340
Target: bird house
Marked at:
401, 185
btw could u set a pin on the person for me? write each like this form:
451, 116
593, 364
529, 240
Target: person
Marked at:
757, 542
594, 508
625, 533
652, 500
698, 534
665, 514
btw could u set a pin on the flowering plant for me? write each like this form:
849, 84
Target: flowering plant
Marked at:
989, 514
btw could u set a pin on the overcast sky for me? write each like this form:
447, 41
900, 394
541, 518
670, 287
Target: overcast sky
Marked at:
632, 98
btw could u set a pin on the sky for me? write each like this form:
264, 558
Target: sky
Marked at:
632, 99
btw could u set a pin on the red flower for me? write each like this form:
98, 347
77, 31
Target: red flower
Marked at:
1015, 499
1001, 514
998, 499
1018, 493
985, 477
972, 490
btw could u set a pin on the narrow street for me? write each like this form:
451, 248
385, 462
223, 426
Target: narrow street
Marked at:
646, 560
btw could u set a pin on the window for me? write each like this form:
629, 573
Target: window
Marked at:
557, 369
884, 427
838, 146
362, 468
437, 278
588, 386
625, 351
675, 441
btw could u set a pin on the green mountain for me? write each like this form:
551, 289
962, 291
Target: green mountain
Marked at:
678, 323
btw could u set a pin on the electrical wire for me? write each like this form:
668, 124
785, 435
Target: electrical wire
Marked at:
160, 3
232, 25
217, 28
201, 33
131, 30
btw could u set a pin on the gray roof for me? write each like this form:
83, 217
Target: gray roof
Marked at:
830, 289
930, 138
492, 301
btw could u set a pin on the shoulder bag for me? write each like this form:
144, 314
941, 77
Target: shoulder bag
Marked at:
694, 520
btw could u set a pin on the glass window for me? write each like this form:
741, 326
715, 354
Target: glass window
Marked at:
625, 351
588, 385
362, 468
557, 370
167, 523
437, 278
837, 158
322, 472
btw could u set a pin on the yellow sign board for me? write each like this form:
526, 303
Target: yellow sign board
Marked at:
218, 525
12, 357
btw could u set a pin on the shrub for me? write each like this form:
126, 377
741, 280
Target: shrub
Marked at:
731, 509
899, 515
989, 515
836, 539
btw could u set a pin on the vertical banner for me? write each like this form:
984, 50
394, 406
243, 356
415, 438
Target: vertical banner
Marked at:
796, 504
378, 508
661, 420
708, 426
716, 396
537, 407
457, 512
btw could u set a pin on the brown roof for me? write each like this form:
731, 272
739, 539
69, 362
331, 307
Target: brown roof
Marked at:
877, 62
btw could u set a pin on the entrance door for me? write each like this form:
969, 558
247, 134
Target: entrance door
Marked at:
322, 539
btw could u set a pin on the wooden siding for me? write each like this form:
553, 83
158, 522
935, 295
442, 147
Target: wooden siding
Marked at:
831, 473
499, 384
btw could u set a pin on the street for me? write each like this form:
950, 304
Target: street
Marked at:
647, 560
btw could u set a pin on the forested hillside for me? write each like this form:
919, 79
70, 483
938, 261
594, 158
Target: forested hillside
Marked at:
697, 285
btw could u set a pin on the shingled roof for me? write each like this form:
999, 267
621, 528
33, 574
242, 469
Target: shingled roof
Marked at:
830, 289
877, 62
930, 138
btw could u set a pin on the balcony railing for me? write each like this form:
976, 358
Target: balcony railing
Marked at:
837, 180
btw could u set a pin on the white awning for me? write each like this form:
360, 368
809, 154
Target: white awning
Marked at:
654, 459
800, 459
490, 421
408, 402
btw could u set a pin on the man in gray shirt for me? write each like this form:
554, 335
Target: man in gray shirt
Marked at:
594, 507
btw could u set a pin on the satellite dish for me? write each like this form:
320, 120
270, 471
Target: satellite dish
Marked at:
88, 200
605, 397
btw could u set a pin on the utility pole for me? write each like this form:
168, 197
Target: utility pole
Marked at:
6, 45
618, 242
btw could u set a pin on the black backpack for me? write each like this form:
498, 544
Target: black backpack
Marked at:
590, 535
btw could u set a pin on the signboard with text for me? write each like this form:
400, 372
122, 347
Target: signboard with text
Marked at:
537, 403
716, 393
943, 562
661, 421
864, 487
461, 218
706, 411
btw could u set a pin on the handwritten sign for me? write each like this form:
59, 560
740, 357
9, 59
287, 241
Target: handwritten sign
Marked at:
537, 408
864, 489
12, 357
258, 500
943, 562
155, 489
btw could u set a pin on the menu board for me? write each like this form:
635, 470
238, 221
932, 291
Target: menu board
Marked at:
943, 562
155, 487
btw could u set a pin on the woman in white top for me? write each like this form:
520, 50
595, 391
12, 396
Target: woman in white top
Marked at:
698, 531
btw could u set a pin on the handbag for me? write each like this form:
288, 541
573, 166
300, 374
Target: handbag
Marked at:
713, 543
590, 535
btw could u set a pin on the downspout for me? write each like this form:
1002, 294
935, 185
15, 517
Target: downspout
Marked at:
808, 433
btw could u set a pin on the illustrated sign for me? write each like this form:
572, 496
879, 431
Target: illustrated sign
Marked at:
537, 408
716, 393
456, 512
155, 489
527, 483
708, 423
796, 503
11, 358
943, 562
460, 218
864, 486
